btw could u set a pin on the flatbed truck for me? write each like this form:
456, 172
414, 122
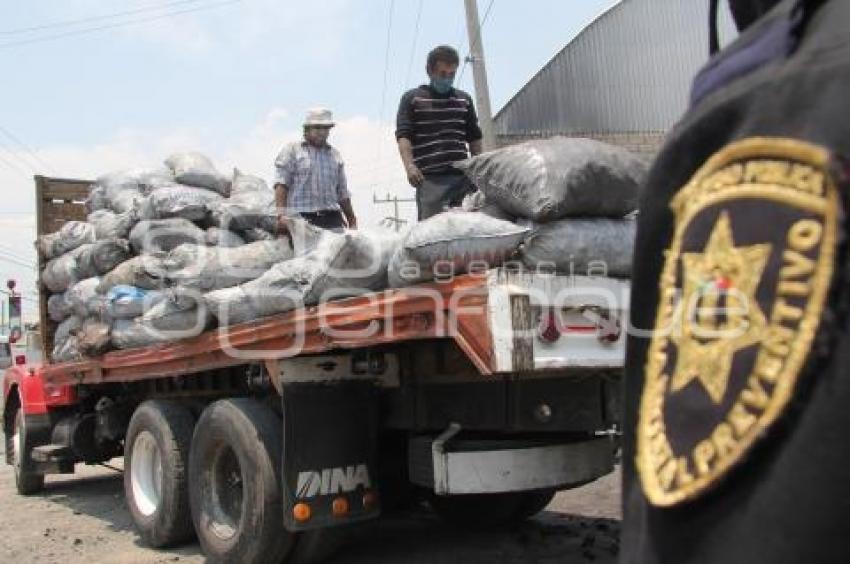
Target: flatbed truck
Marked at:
484, 394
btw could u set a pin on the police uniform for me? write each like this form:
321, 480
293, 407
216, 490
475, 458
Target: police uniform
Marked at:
737, 417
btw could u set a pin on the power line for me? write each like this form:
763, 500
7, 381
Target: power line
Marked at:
480, 27
387, 60
26, 148
415, 39
14, 254
386, 72
10, 260
13, 166
116, 25
66, 23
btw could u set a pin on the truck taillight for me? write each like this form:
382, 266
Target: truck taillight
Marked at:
20, 359
549, 329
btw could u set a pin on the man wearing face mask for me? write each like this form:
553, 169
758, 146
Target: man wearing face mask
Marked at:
437, 126
310, 178
737, 395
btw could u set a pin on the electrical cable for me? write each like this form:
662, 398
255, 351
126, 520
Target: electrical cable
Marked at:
471, 47
26, 148
386, 72
415, 39
9, 44
66, 23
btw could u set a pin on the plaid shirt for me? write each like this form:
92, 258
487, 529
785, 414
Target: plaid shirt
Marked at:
314, 176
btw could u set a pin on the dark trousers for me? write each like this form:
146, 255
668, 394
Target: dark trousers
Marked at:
440, 192
326, 219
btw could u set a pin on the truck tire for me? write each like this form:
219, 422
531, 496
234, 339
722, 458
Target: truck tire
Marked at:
27, 480
481, 511
156, 458
235, 490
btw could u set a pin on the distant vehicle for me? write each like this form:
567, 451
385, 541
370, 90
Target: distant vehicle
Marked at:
5, 353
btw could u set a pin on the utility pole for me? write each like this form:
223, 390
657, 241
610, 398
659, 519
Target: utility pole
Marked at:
479, 74
394, 220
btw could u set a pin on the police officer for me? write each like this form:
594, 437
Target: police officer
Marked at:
737, 392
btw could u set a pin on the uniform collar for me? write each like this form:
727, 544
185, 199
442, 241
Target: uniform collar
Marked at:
775, 36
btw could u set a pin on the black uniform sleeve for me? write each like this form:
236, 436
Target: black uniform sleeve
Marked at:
404, 119
473, 130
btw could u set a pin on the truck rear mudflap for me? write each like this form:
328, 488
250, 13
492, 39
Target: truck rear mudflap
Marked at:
329, 453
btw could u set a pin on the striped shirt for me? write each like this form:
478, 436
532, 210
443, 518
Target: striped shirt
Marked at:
314, 177
438, 126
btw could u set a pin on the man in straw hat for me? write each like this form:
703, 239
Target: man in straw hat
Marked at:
310, 178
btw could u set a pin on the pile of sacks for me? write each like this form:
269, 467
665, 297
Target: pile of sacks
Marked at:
135, 272
563, 205
166, 255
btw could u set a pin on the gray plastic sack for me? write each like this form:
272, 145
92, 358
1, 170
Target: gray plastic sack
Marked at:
60, 273
100, 257
67, 328
217, 237
128, 302
452, 243
58, 307
195, 169
175, 200
163, 235
67, 350
250, 205
342, 265
110, 225
96, 200
174, 318
71, 235
256, 234
600, 247
211, 268
93, 337
477, 202
548, 179
119, 190
84, 299
144, 272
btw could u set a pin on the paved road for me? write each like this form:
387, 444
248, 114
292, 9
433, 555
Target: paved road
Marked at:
82, 519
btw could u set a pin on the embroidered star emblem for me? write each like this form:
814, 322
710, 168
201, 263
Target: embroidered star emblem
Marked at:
720, 314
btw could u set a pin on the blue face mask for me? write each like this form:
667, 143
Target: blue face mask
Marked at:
442, 85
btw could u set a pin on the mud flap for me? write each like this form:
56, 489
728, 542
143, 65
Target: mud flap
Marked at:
330, 433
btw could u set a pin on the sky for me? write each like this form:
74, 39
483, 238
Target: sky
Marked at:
90, 86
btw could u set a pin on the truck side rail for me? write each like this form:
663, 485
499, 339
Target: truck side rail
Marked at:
455, 309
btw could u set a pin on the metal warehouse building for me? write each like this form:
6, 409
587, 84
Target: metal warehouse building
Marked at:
625, 79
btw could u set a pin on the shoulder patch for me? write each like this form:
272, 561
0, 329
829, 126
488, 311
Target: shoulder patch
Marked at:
742, 291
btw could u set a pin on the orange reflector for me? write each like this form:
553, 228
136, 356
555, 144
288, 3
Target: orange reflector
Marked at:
340, 507
302, 512
370, 500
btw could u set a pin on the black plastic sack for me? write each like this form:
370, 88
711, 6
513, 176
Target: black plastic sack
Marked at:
545, 180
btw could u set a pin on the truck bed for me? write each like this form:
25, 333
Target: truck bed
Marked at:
491, 316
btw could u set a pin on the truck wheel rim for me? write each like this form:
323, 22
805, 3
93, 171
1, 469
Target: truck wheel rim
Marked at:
226, 495
16, 447
146, 474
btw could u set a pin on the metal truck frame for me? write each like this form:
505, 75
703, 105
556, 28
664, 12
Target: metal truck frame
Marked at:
269, 440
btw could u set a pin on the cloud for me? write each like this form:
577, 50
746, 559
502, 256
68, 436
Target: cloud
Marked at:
368, 148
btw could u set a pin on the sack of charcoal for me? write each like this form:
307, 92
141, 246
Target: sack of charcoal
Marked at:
548, 179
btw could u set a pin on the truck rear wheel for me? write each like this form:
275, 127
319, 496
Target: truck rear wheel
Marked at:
156, 457
27, 481
235, 490
478, 511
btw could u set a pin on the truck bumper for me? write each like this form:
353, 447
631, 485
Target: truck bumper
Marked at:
474, 467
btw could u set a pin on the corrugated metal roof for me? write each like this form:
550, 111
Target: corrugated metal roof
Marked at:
630, 70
